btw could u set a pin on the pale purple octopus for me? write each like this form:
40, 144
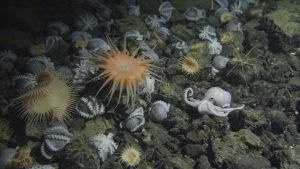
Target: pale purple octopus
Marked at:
216, 102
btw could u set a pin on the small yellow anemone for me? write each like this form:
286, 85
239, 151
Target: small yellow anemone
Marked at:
80, 43
52, 96
190, 65
23, 159
196, 46
131, 156
227, 38
38, 49
226, 17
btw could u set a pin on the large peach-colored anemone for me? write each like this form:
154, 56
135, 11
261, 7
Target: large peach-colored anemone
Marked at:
51, 97
123, 71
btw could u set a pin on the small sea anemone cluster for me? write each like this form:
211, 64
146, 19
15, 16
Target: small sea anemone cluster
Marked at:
46, 94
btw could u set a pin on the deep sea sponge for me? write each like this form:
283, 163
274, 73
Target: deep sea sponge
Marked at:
52, 96
124, 71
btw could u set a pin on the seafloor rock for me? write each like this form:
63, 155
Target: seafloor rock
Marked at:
180, 162
170, 92
203, 163
182, 32
284, 19
278, 69
197, 136
249, 162
252, 119
27, 16
79, 154
59, 52
279, 121
193, 150
182, 5
149, 9
161, 157
6, 131
283, 24
96, 126
294, 83
130, 23
35, 130
234, 144
289, 157
177, 120
15, 38
157, 134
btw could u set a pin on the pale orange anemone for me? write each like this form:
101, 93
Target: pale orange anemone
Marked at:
52, 96
124, 71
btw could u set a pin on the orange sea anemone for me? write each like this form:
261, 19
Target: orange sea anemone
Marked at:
124, 71
190, 65
51, 97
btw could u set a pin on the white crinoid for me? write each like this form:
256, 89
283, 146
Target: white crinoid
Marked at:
214, 47
104, 144
57, 28
208, 32
25, 82
43, 60
7, 55
86, 22
52, 40
154, 22
82, 70
134, 10
236, 8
